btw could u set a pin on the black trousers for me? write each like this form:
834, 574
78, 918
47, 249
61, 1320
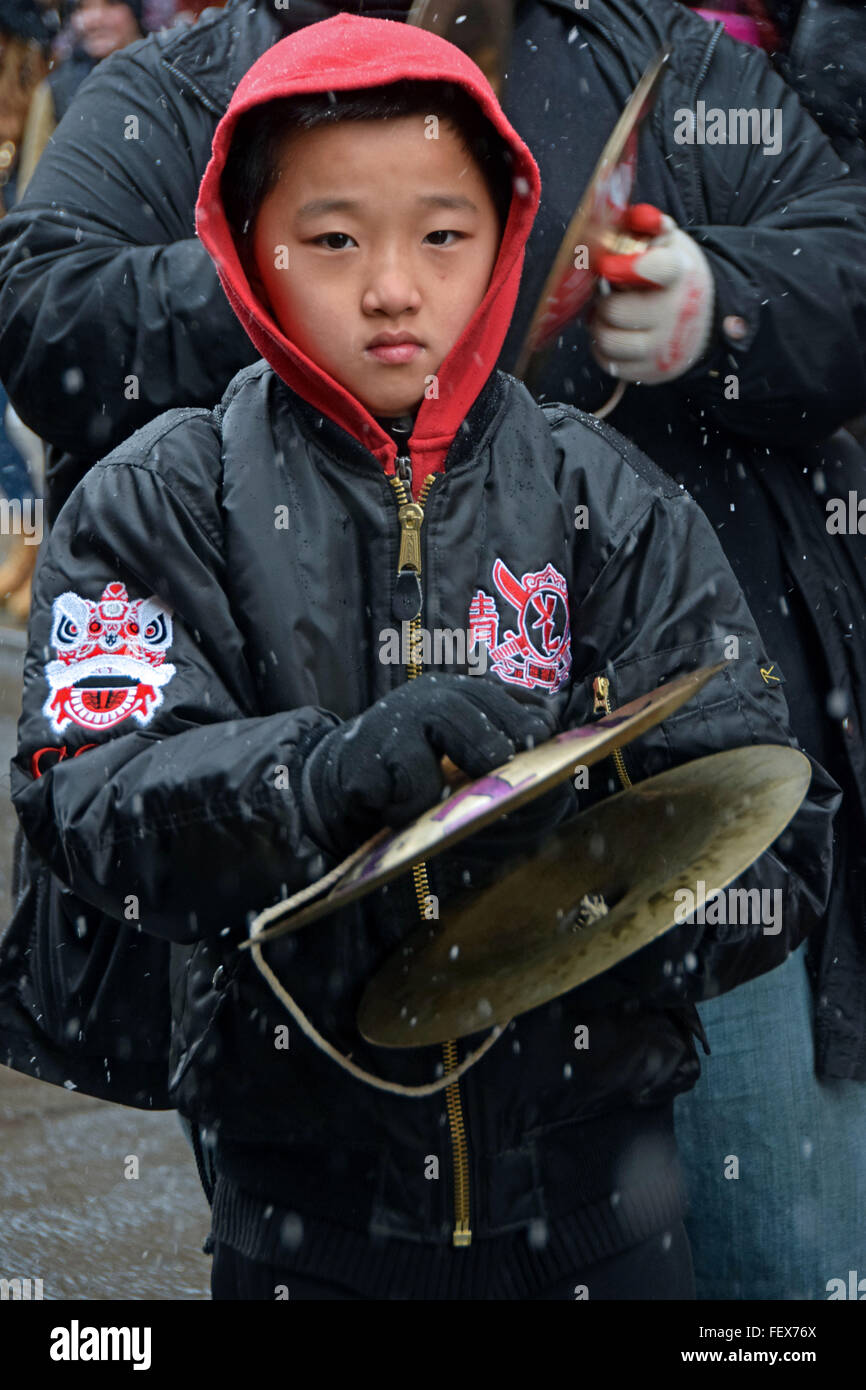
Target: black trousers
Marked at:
659, 1268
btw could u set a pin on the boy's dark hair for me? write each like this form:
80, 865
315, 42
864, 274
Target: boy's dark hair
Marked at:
252, 166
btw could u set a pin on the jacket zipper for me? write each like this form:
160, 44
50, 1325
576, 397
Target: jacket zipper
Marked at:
186, 81
718, 30
411, 516
602, 705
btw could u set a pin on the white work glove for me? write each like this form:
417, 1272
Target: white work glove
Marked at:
655, 323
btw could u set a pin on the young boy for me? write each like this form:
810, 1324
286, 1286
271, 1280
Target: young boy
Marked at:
212, 716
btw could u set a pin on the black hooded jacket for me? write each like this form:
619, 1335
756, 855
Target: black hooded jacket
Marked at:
153, 813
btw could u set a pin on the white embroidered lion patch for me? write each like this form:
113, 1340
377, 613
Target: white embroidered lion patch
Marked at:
110, 659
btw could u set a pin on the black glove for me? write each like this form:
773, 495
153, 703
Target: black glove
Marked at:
383, 768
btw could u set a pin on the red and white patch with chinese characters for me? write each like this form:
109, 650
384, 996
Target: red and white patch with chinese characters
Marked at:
111, 659
538, 652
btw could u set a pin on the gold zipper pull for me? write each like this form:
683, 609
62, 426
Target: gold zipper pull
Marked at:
407, 599
410, 516
601, 689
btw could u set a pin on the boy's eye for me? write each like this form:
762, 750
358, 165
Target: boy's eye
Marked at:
317, 241
446, 233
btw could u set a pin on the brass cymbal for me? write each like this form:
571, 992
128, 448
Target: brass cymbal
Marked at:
594, 225
483, 30
517, 944
475, 804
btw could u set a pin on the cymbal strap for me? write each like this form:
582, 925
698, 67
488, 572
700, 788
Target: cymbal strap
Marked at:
281, 910
393, 1087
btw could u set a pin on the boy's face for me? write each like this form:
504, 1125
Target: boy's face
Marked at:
410, 249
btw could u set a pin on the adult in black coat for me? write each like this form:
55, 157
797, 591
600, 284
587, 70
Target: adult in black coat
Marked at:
822, 54
110, 313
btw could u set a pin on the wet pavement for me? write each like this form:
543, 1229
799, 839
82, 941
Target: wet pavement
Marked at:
69, 1215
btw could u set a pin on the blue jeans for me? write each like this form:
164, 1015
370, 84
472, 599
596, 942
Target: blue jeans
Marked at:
795, 1216
15, 480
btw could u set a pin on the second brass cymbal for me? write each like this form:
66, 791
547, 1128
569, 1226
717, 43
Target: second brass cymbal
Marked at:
520, 943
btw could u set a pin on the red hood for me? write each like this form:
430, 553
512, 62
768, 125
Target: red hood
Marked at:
350, 51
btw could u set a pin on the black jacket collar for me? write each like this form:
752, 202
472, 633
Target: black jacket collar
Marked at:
490, 400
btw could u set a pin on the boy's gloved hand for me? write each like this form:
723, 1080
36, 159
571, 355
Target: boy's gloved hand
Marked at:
655, 325
383, 768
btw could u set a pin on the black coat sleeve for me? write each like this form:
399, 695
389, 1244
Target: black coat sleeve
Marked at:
785, 237
665, 601
111, 311
190, 813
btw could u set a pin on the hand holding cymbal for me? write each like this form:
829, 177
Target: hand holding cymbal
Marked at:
475, 804
451, 772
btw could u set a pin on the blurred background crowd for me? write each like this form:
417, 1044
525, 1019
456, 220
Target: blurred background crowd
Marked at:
47, 49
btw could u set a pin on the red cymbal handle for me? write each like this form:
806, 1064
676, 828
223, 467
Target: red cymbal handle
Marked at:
620, 271
643, 220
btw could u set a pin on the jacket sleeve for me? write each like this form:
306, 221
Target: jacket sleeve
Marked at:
182, 813
784, 237
110, 308
665, 601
